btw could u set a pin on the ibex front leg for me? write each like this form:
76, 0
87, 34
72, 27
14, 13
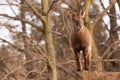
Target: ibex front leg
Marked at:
78, 61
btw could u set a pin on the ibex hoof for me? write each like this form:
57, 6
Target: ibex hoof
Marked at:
87, 69
79, 70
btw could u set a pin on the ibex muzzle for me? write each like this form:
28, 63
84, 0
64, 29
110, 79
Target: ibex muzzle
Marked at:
81, 40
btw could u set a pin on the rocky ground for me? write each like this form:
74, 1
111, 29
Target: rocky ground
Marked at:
99, 75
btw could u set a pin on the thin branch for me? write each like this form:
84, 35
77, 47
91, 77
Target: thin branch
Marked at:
106, 60
35, 46
101, 15
100, 60
31, 71
57, 33
11, 8
17, 48
106, 26
29, 22
108, 49
108, 12
29, 61
117, 28
18, 5
118, 3
67, 71
9, 57
6, 25
102, 5
9, 27
51, 6
35, 9
38, 49
33, 42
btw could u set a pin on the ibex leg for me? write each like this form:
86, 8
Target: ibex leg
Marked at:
87, 58
78, 61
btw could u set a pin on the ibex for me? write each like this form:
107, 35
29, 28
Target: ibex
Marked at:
81, 40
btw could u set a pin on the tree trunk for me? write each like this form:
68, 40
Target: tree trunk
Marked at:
113, 24
97, 66
49, 42
28, 57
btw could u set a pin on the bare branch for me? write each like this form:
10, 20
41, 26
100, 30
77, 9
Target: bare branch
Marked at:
51, 6
18, 5
17, 48
102, 5
100, 60
101, 15
29, 61
8, 57
29, 22
11, 8
35, 9
108, 49
108, 12
67, 71
118, 3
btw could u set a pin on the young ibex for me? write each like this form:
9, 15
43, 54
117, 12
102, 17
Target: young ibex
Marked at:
81, 40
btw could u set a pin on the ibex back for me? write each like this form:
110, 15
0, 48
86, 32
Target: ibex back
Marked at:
81, 40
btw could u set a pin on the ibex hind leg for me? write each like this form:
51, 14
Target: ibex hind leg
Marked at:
87, 58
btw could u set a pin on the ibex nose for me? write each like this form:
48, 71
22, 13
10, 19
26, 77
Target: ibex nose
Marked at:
79, 26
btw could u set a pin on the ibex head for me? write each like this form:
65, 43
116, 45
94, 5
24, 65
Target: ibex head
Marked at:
77, 18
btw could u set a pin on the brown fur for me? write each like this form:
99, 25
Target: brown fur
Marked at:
81, 40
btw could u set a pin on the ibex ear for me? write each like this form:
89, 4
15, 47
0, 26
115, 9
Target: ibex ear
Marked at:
82, 13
